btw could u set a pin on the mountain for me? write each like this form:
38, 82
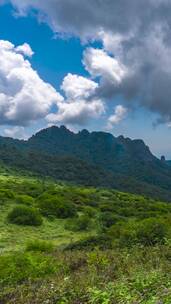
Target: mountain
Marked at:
95, 158
168, 162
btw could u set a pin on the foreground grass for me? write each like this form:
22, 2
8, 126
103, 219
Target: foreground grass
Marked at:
124, 254
128, 276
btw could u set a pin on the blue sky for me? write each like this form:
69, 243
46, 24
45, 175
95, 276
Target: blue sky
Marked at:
56, 56
53, 57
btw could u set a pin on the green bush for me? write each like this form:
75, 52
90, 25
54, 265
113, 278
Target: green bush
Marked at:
58, 207
107, 219
81, 223
23, 215
124, 233
152, 231
6, 194
90, 211
24, 199
39, 246
33, 189
107, 207
20, 267
147, 232
101, 241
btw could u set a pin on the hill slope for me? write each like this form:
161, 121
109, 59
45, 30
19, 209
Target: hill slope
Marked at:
114, 248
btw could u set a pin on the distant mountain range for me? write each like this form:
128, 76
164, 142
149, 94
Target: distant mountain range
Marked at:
97, 159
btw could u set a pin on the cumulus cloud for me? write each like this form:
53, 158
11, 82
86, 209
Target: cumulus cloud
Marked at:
99, 64
80, 104
120, 16
25, 49
135, 34
24, 96
77, 112
120, 113
76, 87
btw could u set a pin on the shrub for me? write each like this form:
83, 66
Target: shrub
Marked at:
23, 215
107, 207
24, 199
58, 207
6, 194
20, 267
93, 203
152, 231
39, 246
31, 188
108, 219
90, 211
81, 223
124, 233
148, 232
101, 241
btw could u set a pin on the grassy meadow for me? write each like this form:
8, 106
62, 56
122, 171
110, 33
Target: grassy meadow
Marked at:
61, 243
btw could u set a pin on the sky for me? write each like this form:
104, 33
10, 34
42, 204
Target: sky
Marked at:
94, 64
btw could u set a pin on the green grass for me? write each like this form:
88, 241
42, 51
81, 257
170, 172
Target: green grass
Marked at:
117, 262
88, 200
14, 237
119, 277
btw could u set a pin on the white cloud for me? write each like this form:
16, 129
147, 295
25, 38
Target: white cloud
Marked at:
80, 104
24, 96
76, 87
77, 112
136, 34
99, 64
25, 49
16, 132
120, 113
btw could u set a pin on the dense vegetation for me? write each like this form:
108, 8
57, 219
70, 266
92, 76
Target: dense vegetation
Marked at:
91, 245
23, 215
91, 159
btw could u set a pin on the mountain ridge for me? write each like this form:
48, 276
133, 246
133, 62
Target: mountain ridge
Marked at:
83, 132
91, 158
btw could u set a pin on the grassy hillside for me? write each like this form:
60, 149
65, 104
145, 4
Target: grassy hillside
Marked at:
68, 244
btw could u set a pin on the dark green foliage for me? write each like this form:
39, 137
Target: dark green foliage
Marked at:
81, 223
57, 206
124, 234
90, 243
39, 246
107, 219
23, 215
147, 232
89, 211
21, 267
6, 194
152, 231
107, 207
24, 199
